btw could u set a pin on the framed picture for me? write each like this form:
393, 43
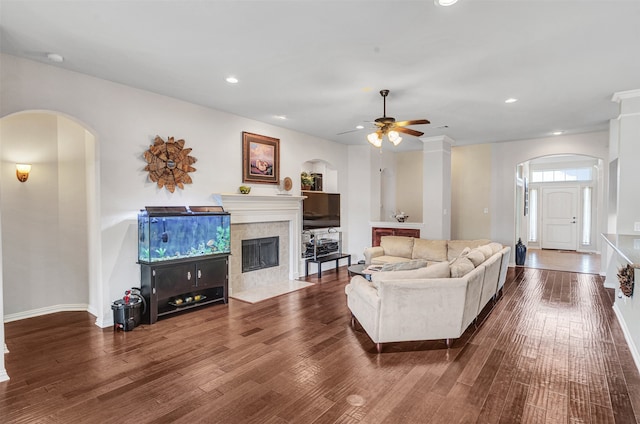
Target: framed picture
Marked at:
260, 159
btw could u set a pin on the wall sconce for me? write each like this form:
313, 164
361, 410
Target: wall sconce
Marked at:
22, 171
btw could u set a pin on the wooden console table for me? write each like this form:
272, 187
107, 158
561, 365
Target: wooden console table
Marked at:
327, 258
378, 232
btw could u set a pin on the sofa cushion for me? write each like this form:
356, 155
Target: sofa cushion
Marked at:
486, 251
476, 257
439, 270
431, 250
404, 266
397, 246
461, 267
455, 247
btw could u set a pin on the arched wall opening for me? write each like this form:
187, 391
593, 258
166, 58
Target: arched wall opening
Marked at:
559, 202
50, 223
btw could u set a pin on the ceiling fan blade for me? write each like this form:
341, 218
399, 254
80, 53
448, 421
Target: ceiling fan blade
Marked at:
408, 131
414, 122
349, 131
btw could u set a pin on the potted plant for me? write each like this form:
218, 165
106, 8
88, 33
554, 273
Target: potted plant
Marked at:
306, 180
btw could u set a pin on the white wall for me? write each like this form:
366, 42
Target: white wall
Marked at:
124, 122
471, 191
409, 185
362, 200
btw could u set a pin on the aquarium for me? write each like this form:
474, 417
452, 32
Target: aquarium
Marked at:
180, 232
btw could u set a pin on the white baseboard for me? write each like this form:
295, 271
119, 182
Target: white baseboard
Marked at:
105, 322
45, 311
627, 335
6, 349
3, 375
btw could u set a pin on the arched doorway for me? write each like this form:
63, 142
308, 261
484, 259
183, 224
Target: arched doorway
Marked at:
50, 232
559, 205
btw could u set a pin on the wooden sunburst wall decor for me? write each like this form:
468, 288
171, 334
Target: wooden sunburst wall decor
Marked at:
169, 163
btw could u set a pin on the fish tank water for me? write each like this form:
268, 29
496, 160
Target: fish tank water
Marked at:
178, 232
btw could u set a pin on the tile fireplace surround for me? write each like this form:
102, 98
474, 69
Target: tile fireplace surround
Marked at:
261, 216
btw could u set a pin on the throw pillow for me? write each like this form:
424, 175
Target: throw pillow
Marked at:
461, 267
432, 250
486, 251
404, 266
476, 257
439, 270
463, 253
495, 247
454, 247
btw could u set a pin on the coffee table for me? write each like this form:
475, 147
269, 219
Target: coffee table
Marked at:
359, 269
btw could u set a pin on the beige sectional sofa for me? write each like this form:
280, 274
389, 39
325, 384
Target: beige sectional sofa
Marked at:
438, 301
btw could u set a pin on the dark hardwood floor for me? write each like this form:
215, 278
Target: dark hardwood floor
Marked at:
550, 351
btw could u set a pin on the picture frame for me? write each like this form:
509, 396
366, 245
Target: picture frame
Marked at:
260, 159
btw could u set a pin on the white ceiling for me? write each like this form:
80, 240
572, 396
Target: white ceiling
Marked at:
322, 63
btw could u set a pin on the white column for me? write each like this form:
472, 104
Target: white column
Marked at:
3, 372
436, 187
628, 210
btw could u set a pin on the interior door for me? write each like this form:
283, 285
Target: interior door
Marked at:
559, 218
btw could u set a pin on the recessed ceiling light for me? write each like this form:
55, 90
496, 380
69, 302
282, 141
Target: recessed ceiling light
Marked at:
359, 127
55, 57
283, 117
445, 2
511, 100
557, 132
232, 80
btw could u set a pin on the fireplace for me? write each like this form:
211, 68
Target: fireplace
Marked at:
260, 253
261, 216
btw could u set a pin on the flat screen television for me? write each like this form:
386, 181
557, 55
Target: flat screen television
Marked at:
320, 210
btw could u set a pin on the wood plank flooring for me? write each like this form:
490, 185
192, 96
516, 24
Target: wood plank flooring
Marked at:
549, 351
563, 260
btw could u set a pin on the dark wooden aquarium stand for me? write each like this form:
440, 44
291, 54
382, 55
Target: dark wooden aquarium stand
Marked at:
169, 288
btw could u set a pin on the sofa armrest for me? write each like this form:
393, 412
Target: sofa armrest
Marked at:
372, 252
364, 303
363, 288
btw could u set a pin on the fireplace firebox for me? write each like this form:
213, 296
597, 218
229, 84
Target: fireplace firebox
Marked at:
260, 253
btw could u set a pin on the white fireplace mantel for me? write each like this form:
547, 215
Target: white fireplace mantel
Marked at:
248, 208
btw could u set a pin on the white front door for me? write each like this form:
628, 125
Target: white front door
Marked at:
559, 213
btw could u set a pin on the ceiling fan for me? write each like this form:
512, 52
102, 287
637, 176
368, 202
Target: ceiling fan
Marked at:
390, 127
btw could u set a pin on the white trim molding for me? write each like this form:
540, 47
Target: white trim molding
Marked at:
623, 95
46, 311
627, 335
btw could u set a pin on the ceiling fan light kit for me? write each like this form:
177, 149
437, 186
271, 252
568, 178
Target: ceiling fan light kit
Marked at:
374, 139
391, 128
